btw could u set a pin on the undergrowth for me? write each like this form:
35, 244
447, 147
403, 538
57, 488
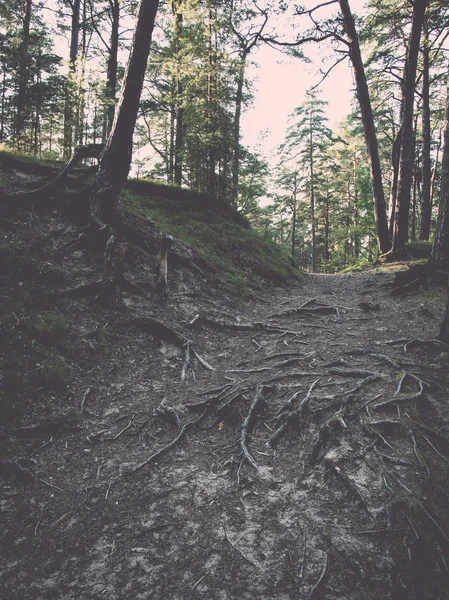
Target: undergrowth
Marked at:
218, 233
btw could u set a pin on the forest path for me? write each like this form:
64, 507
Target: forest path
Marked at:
349, 500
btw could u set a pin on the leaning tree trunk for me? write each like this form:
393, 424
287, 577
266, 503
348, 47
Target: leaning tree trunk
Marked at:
406, 162
426, 207
383, 236
116, 158
439, 258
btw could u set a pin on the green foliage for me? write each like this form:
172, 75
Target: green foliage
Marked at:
219, 234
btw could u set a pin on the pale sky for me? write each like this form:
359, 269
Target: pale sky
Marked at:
280, 85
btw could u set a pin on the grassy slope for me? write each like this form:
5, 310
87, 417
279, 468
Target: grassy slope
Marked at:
218, 233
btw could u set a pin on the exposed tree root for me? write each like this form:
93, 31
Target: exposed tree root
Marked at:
293, 417
258, 402
169, 414
181, 435
256, 326
352, 373
409, 398
162, 332
418, 343
315, 587
21, 469
327, 432
45, 191
355, 492
308, 312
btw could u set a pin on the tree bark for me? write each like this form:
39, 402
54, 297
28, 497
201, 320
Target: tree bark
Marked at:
116, 158
23, 76
426, 206
312, 201
179, 137
71, 83
439, 258
394, 184
237, 117
294, 209
406, 161
211, 103
383, 236
111, 76
444, 331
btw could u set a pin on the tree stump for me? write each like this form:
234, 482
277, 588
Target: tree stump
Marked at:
161, 267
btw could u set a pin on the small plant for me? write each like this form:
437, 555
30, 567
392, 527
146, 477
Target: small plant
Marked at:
239, 283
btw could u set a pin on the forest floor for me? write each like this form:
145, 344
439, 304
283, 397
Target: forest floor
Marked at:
311, 462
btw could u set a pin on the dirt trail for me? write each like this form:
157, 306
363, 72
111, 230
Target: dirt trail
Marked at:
348, 501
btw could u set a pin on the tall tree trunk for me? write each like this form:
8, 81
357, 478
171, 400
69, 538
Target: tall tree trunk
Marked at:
414, 195
312, 200
295, 193
237, 117
394, 184
426, 206
326, 254
439, 258
406, 161
435, 170
117, 154
37, 115
380, 215
179, 138
111, 76
71, 80
81, 92
444, 331
211, 101
2, 116
171, 146
22, 76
